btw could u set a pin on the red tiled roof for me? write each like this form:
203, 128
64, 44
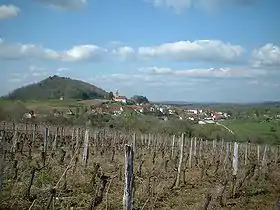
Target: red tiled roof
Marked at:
120, 97
135, 107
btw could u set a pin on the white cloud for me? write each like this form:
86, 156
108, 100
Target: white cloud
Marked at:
82, 52
140, 80
34, 73
18, 77
76, 53
16, 51
65, 4
267, 56
183, 78
199, 50
62, 69
209, 51
177, 5
181, 5
124, 53
259, 83
8, 11
33, 68
207, 72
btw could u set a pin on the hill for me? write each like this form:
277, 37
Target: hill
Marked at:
140, 99
55, 87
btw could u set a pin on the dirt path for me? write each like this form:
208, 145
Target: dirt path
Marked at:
225, 127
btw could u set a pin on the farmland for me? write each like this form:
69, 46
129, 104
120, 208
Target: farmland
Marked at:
75, 159
255, 123
56, 167
252, 129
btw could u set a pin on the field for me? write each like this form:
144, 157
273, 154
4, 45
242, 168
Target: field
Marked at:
244, 123
257, 131
49, 167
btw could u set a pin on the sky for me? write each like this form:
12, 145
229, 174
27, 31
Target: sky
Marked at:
167, 50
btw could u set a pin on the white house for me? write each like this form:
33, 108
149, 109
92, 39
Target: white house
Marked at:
201, 122
121, 99
152, 109
194, 111
27, 116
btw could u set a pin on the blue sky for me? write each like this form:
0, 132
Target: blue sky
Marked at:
191, 50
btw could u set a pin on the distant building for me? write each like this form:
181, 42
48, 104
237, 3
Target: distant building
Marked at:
70, 112
119, 98
194, 111
216, 116
209, 121
27, 116
201, 122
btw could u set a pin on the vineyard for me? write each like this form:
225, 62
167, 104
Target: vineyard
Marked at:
50, 167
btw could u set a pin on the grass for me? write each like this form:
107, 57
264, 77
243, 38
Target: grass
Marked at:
257, 131
41, 106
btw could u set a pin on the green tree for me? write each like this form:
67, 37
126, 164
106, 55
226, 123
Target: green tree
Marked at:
111, 95
140, 99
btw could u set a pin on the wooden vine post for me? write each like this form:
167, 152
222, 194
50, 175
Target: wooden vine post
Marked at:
246, 154
180, 161
45, 148
227, 154
134, 143
195, 149
173, 144
264, 159
128, 173
234, 166
2, 143
85, 153
258, 153
190, 153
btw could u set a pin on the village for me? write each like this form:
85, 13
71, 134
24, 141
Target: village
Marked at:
121, 104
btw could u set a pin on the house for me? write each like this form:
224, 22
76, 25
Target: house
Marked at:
194, 111
27, 116
70, 112
216, 116
152, 109
170, 111
139, 109
121, 99
209, 121
201, 122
